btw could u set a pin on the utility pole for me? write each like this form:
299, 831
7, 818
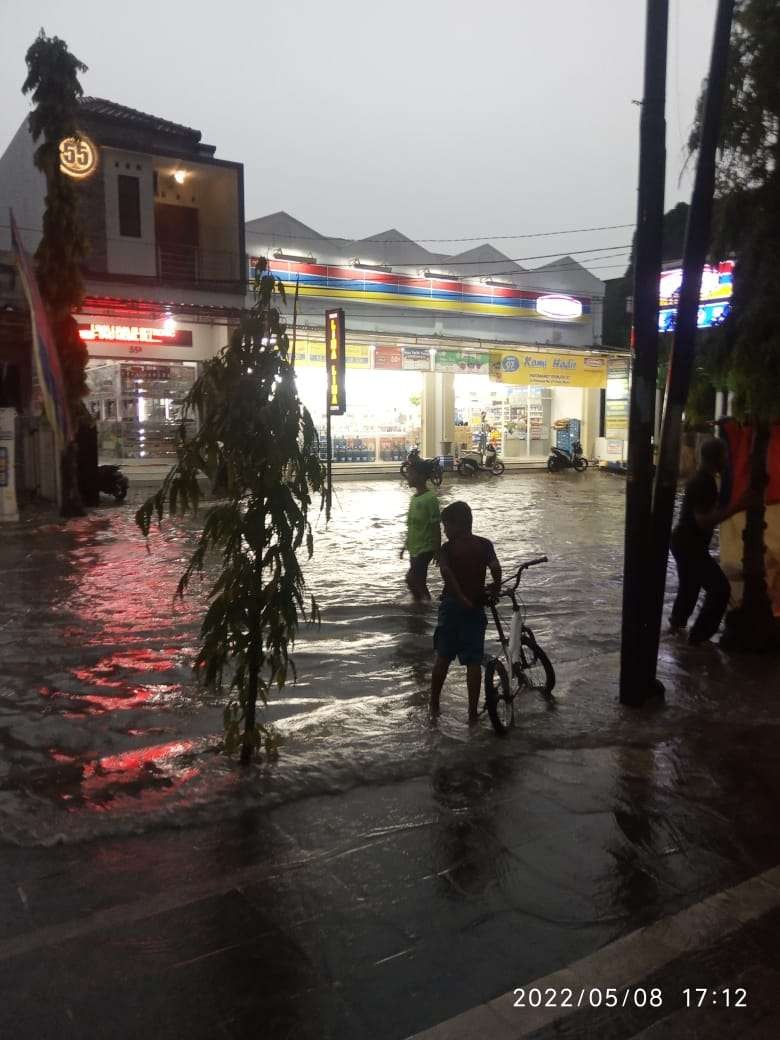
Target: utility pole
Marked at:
636, 681
697, 240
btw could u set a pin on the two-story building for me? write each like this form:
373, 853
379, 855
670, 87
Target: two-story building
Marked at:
166, 270
434, 340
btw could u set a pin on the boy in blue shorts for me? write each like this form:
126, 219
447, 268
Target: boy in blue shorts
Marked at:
465, 559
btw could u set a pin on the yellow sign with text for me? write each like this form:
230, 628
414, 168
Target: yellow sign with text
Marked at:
542, 369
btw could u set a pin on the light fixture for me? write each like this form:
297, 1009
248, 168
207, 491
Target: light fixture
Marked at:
443, 275
365, 265
180, 176
500, 285
295, 258
169, 326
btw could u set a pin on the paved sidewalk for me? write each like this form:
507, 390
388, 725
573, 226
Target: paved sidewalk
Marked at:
712, 970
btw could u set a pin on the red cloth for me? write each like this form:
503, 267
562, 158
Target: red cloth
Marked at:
739, 439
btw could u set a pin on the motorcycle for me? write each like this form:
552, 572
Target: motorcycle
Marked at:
432, 467
470, 463
112, 481
560, 459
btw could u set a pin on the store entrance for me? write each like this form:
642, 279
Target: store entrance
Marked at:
518, 418
137, 406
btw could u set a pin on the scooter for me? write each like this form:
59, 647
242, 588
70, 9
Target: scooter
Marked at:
560, 459
470, 463
112, 481
432, 467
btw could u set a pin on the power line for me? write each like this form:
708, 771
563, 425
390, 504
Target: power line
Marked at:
399, 241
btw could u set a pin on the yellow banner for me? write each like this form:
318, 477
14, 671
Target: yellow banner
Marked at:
312, 352
543, 369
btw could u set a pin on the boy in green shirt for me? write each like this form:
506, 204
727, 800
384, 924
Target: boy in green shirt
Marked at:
423, 533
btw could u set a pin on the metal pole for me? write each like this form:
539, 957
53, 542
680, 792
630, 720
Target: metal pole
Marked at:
697, 240
329, 452
635, 680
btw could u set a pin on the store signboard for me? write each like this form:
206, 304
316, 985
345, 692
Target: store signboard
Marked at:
335, 361
543, 369
417, 359
387, 357
461, 361
358, 356
714, 295
135, 336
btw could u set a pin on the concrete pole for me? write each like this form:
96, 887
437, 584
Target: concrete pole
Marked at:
635, 677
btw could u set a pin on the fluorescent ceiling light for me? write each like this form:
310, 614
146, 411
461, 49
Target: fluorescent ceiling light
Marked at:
366, 265
296, 258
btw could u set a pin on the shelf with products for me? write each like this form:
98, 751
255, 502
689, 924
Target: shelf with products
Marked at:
369, 446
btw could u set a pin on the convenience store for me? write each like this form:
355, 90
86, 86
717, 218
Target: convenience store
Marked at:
433, 341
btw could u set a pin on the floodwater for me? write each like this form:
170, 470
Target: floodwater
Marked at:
190, 896
103, 730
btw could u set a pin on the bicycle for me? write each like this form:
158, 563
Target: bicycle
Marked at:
526, 662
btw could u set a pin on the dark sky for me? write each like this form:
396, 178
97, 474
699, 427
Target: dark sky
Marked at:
443, 118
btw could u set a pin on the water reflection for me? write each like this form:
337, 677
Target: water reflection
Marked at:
105, 678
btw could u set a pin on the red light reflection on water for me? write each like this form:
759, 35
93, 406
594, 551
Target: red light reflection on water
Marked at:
141, 778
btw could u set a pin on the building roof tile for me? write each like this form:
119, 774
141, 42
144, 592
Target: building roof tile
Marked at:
111, 110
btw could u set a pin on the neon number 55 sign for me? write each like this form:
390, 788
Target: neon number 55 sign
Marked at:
78, 157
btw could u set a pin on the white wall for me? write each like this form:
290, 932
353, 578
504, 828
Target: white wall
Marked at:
126, 255
22, 188
567, 403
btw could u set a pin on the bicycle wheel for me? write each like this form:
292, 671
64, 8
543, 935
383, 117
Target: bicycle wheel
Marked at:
498, 698
534, 668
498, 468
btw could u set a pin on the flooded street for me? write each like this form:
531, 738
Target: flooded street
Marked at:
104, 730
381, 874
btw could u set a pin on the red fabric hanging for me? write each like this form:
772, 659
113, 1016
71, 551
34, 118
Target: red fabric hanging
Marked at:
739, 439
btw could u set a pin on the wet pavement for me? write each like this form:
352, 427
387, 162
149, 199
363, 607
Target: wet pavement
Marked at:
381, 875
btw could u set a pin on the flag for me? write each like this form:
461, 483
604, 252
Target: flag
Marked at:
47, 360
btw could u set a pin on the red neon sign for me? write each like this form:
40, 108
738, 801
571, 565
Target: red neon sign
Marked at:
137, 335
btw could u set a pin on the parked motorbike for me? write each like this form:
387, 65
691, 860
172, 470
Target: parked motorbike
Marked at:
432, 467
112, 481
560, 459
470, 463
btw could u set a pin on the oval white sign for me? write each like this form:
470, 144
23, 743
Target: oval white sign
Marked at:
563, 308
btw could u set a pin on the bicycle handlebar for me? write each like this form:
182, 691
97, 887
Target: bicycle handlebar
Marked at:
519, 573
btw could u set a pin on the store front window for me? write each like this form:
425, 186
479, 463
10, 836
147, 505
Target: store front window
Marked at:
518, 417
137, 406
383, 417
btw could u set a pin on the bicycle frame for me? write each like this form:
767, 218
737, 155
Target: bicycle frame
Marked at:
511, 645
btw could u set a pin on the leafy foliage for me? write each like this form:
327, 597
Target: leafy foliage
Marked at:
257, 443
748, 207
52, 78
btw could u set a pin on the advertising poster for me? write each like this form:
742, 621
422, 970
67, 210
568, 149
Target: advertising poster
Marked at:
358, 356
387, 357
547, 369
417, 359
461, 361
8, 506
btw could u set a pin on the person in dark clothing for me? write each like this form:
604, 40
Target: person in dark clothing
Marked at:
464, 560
691, 537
